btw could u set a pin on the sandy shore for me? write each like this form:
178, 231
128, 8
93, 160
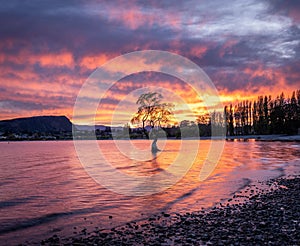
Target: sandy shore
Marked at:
253, 216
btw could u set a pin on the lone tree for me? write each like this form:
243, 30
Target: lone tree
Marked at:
152, 112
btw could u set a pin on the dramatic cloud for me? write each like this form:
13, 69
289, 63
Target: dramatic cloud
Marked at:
49, 48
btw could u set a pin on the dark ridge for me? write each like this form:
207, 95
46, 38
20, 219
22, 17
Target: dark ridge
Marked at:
47, 124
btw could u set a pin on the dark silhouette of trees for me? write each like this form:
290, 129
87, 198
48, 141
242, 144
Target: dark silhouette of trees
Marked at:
292, 114
264, 116
204, 125
229, 118
152, 112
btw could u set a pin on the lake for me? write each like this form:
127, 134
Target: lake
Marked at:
45, 190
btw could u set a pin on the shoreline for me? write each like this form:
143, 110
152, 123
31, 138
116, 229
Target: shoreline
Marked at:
267, 138
253, 215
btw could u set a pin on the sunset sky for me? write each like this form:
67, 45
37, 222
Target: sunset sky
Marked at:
49, 48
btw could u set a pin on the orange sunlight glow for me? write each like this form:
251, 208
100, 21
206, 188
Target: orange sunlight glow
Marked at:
66, 85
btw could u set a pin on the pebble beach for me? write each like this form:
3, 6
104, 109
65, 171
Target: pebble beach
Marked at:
253, 216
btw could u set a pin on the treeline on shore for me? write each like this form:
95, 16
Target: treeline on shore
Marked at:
265, 115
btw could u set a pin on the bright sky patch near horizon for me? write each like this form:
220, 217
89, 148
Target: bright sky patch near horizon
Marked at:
49, 48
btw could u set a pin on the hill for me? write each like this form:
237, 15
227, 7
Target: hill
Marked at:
46, 124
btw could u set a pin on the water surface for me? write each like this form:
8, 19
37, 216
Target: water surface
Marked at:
44, 189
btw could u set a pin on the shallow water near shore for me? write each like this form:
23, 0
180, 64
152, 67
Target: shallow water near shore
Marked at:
44, 189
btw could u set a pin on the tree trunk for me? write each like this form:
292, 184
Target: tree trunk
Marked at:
154, 148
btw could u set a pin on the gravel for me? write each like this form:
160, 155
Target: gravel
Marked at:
253, 216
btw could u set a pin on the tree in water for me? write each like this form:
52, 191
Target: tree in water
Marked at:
152, 112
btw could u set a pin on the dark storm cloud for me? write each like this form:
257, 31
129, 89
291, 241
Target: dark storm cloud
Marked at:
15, 104
58, 25
291, 73
284, 7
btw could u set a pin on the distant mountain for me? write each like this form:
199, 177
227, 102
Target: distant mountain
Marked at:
90, 128
47, 124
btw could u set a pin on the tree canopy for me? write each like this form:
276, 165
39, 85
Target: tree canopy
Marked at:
151, 111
